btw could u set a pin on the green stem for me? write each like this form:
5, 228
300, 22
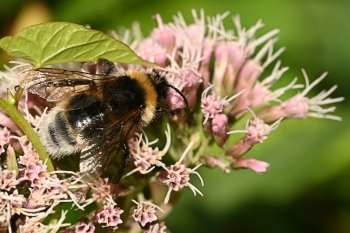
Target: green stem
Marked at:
200, 152
18, 95
55, 216
17, 117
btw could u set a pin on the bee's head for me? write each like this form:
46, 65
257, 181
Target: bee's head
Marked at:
162, 99
160, 92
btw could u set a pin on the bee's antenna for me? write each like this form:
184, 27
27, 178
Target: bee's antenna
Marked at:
172, 87
180, 93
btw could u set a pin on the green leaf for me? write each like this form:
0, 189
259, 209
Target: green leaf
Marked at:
61, 42
4, 42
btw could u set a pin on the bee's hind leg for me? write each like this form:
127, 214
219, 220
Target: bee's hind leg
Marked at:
122, 163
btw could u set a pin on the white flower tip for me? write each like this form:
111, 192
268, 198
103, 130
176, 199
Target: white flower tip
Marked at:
186, 151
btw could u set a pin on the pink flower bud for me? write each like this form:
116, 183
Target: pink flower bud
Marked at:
213, 161
255, 165
220, 128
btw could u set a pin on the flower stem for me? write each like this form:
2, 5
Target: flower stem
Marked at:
17, 117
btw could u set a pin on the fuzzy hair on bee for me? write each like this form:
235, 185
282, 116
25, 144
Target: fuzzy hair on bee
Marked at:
95, 113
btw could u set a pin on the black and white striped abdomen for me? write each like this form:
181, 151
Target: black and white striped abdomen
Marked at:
57, 135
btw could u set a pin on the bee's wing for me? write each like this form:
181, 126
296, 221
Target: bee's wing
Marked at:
57, 84
102, 150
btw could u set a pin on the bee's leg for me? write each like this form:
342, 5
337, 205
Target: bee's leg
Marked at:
105, 67
126, 155
122, 162
169, 113
13, 221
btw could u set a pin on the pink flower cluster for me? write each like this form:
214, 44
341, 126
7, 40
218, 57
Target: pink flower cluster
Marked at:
145, 212
109, 215
219, 71
83, 227
229, 87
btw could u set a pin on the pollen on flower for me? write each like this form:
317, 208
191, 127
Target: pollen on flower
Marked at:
261, 93
84, 227
256, 130
186, 77
156, 228
10, 204
47, 191
30, 154
177, 176
101, 190
214, 104
109, 215
34, 225
36, 173
145, 156
145, 212
315, 109
8, 179
300, 106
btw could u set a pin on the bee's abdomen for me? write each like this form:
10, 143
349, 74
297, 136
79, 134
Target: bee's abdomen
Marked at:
59, 131
57, 136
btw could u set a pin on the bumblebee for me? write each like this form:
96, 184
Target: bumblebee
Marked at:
95, 113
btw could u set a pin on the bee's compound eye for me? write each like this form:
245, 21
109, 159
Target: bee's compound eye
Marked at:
106, 67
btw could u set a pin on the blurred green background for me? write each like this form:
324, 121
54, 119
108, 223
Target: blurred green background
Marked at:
307, 187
